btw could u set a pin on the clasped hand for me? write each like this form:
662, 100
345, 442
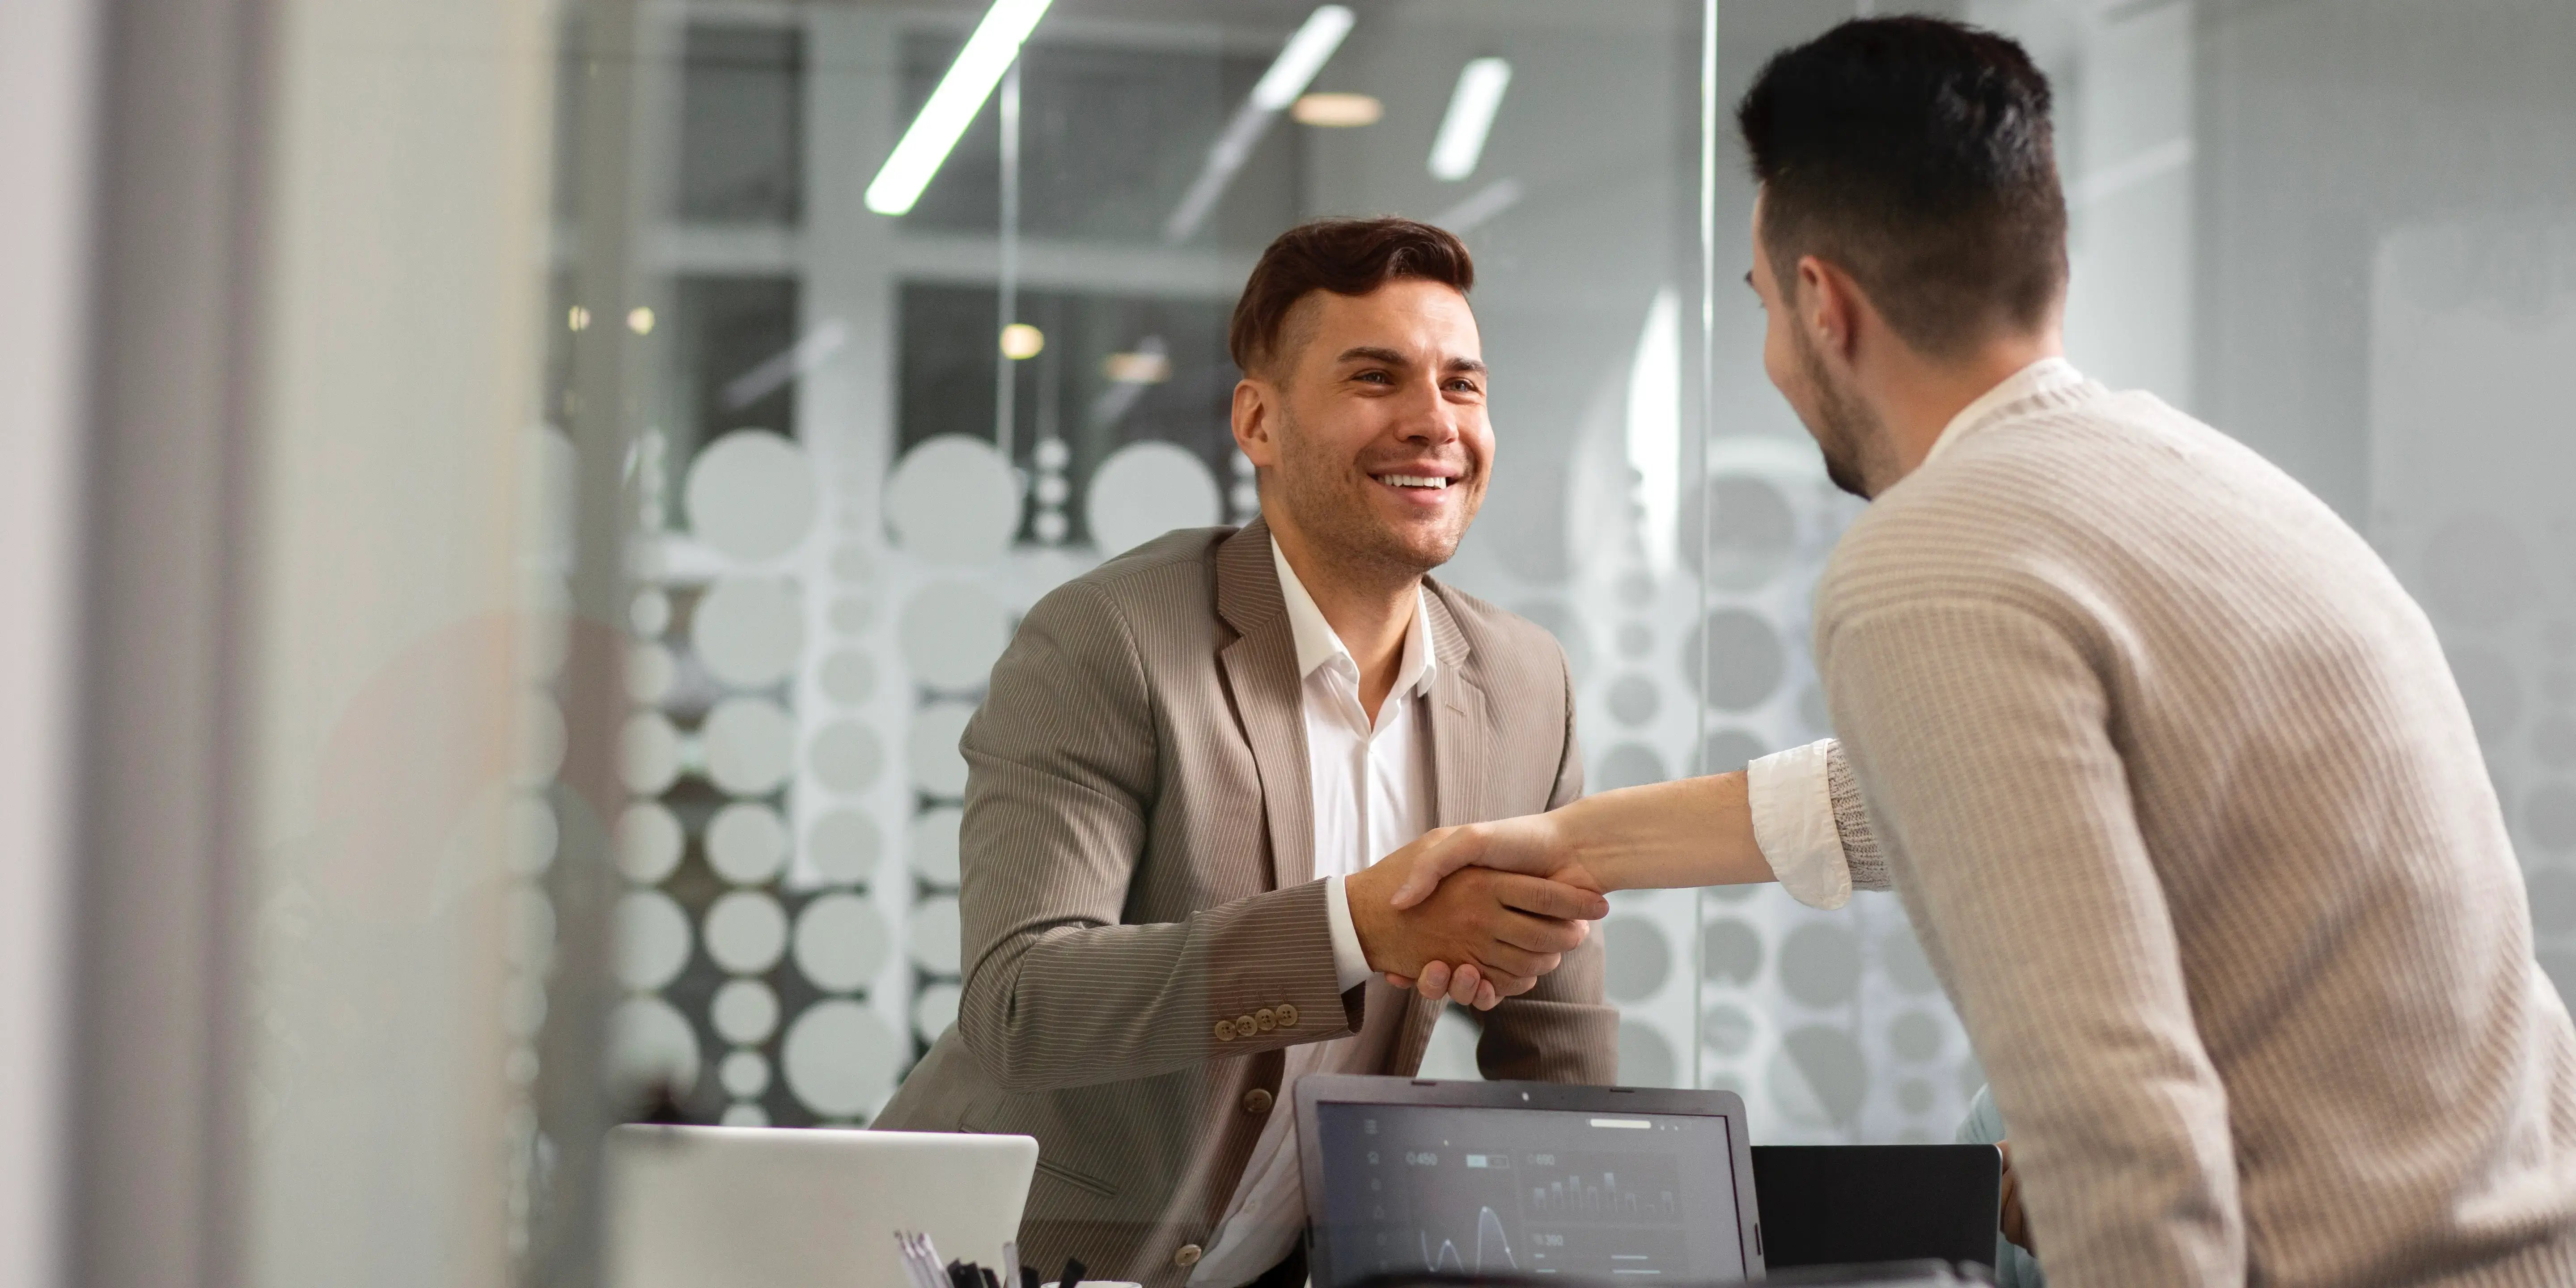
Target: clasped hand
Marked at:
1475, 913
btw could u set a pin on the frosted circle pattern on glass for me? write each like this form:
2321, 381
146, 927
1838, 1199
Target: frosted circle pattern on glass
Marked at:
744, 1115
1914, 1035
751, 495
847, 757
852, 614
748, 631
1820, 965
951, 633
1145, 490
1752, 531
542, 737
1731, 951
1634, 700
849, 677
745, 1011
1728, 750
750, 746
534, 835
840, 1059
745, 1074
648, 754
937, 766
1818, 1077
1728, 1029
1645, 1058
1902, 958
1637, 959
649, 842
935, 932
844, 847
1630, 764
934, 1009
746, 843
841, 943
652, 940
746, 932
1745, 662
953, 500
934, 845
650, 673
650, 1044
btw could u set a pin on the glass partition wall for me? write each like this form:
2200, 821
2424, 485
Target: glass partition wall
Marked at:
811, 432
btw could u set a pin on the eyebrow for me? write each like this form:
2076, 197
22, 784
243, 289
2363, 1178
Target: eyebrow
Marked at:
1372, 353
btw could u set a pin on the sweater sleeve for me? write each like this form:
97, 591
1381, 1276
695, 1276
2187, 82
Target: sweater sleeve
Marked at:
1981, 734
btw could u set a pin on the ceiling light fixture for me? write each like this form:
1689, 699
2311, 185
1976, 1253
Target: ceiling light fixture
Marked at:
1337, 111
953, 105
1305, 54
1461, 142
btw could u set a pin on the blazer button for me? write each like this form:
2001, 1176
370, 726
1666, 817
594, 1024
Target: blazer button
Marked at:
1246, 1025
1256, 1101
1267, 1018
1187, 1257
1225, 1030
1287, 1013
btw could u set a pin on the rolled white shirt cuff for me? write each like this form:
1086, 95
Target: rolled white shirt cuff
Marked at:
1793, 822
1349, 962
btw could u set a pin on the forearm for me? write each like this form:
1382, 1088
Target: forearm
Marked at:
1688, 832
1074, 1004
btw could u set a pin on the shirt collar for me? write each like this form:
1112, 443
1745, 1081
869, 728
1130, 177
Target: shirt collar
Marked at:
1318, 645
2044, 376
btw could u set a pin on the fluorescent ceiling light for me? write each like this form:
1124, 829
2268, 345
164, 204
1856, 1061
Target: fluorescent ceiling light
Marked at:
1471, 116
1306, 53
952, 106
1337, 111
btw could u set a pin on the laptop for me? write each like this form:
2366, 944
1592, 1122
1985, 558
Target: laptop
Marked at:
781, 1207
1836, 1205
1505, 1179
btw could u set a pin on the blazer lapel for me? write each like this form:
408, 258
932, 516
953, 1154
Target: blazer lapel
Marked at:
1261, 669
1461, 740
1461, 735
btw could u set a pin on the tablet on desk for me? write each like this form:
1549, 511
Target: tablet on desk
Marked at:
1618, 1184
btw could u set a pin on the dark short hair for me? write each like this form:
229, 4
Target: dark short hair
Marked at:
1915, 154
1345, 257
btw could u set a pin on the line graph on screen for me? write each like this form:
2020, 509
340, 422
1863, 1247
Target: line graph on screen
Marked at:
1490, 1238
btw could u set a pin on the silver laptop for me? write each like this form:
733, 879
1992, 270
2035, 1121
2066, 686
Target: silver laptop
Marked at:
777, 1207
1506, 1179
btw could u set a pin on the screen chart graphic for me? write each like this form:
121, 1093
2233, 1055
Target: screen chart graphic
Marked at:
1424, 1188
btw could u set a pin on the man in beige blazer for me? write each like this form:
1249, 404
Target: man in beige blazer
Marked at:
1187, 755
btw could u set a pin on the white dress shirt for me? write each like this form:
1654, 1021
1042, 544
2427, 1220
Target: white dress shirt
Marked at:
1792, 805
1371, 782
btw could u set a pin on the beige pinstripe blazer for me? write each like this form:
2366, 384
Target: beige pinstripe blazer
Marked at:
1138, 860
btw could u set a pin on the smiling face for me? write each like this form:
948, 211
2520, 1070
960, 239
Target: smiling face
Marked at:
1369, 428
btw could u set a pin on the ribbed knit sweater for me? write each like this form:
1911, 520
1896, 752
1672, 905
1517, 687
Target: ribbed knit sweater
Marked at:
2187, 811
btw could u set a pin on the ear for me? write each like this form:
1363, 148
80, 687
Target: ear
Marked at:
1255, 420
1828, 306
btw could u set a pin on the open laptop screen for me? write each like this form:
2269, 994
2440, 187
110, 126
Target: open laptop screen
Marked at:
1632, 1196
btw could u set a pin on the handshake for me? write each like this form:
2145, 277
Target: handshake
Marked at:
1476, 913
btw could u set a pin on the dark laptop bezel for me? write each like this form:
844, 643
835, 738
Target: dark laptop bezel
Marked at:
1361, 1089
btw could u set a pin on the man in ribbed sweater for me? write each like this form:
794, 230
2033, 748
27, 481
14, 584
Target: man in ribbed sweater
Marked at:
2170, 773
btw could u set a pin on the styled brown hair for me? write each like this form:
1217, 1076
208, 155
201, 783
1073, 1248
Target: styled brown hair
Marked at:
1914, 153
1345, 257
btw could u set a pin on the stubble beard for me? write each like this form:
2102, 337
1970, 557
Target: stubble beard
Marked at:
1341, 531
1845, 429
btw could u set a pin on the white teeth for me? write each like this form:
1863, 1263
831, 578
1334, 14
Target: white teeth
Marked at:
1413, 480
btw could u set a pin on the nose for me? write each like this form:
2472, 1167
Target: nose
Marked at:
1427, 419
